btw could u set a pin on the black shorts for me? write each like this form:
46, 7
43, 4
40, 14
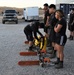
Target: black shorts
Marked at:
42, 25
71, 27
52, 35
61, 40
47, 29
29, 35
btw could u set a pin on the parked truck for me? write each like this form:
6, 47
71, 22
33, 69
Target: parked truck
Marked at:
9, 16
31, 13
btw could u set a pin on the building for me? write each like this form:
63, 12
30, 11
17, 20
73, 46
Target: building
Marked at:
65, 5
65, 1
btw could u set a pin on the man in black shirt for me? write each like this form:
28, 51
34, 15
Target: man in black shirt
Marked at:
31, 29
45, 25
46, 14
71, 25
52, 23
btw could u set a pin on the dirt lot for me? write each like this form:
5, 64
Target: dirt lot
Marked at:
12, 42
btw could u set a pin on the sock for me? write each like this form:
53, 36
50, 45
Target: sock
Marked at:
61, 62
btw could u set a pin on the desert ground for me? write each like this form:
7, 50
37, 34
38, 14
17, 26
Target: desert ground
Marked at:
12, 42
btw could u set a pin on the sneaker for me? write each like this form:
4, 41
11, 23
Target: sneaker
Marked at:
57, 61
59, 66
30, 48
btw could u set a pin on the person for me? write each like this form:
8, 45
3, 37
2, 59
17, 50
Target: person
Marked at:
52, 23
46, 15
46, 19
71, 24
60, 38
31, 29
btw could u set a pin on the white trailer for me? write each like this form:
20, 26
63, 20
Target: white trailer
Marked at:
31, 13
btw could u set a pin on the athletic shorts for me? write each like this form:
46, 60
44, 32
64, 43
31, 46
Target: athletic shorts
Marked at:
61, 40
71, 27
42, 25
29, 35
47, 29
52, 35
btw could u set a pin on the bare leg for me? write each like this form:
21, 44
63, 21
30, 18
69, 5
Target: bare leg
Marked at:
30, 43
73, 33
60, 54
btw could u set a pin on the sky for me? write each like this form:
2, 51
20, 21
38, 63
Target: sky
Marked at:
25, 3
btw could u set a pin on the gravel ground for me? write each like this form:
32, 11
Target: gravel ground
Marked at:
12, 42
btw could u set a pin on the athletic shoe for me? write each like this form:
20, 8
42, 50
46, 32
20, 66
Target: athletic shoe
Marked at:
59, 66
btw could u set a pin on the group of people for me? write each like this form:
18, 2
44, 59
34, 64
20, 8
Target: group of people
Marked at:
71, 24
54, 26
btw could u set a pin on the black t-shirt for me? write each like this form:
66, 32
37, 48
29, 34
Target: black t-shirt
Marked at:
45, 16
53, 20
28, 28
33, 28
64, 26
